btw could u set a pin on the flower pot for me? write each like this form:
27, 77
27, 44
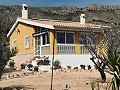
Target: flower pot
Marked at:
22, 66
35, 69
82, 67
11, 65
95, 68
76, 69
68, 67
44, 67
89, 67
30, 66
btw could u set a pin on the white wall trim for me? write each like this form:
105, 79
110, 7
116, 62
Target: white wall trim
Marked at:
35, 23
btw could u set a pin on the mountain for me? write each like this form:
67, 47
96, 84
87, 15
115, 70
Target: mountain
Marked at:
99, 14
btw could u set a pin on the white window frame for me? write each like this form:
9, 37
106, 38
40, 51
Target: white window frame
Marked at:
26, 43
14, 44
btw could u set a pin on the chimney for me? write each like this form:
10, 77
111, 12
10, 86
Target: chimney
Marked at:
24, 11
82, 19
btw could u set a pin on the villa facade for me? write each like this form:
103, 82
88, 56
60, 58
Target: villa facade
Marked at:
39, 37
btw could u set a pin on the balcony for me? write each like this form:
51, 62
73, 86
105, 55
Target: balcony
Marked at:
65, 48
84, 50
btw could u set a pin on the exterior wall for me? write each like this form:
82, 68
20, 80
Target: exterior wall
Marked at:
51, 43
77, 43
73, 60
19, 34
22, 58
23, 30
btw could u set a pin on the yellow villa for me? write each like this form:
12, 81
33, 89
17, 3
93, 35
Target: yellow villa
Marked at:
35, 37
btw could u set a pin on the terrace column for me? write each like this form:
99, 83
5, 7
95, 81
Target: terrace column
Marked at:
52, 38
77, 43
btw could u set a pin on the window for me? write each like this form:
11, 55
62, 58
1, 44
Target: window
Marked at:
37, 30
45, 39
37, 40
65, 37
70, 38
27, 42
40, 30
14, 44
60, 37
37, 45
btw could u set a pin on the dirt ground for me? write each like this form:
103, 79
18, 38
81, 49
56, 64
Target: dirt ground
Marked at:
80, 80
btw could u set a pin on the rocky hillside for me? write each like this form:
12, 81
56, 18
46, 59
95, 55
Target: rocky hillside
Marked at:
94, 14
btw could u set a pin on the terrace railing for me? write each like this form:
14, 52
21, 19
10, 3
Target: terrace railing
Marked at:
83, 50
65, 48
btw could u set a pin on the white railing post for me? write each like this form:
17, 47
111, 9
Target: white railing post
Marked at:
83, 50
66, 48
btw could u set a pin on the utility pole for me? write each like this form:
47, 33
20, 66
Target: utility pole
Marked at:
52, 61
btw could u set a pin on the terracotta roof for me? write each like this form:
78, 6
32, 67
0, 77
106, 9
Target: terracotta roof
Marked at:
60, 23
56, 24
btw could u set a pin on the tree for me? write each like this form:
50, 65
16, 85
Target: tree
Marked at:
106, 51
4, 57
5, 52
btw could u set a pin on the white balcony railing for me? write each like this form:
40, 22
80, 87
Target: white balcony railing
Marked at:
65, 49
84, 50
61, 49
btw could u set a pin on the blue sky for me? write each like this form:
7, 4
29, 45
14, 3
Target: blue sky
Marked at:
77, 3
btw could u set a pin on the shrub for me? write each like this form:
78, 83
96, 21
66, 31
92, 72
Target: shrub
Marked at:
11, 63
56, 64
45, 61
23, 65
29, 66
40, 62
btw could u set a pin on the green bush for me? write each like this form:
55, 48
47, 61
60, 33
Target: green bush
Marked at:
29, 66
56, 64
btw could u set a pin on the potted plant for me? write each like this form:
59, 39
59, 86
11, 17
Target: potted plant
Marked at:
89, 67
95, 67
23, 66
68, 67
11, 63
40, 62
56, 64
36, 69
82, 67
46, 62
76, 68
30, 66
